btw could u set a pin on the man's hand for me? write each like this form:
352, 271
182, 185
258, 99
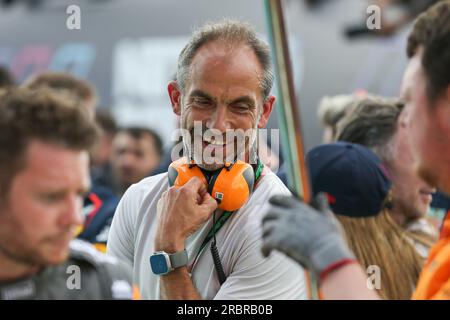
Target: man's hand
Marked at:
181, 211
310, 235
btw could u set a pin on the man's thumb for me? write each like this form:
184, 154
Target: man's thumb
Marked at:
209, 201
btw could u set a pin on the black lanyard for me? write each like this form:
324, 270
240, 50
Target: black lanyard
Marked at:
217, 225
215, 228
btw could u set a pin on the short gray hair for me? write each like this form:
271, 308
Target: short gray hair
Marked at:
231, 32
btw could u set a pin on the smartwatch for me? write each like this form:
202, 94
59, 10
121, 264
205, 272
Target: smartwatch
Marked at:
163, 262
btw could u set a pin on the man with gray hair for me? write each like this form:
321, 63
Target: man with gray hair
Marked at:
223, 85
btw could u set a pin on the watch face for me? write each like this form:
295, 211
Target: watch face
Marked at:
159, 264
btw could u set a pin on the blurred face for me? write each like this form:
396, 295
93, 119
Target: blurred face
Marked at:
428, 126
223, 94
102, 152
39, 215
133, 159
412, 195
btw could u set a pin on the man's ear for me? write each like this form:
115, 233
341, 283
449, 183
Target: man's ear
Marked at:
175, 97
266, 111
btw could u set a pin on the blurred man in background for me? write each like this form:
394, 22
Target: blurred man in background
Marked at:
100, 202
101, 172
44, 174
136, 153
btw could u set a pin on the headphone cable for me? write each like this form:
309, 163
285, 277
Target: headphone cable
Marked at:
216, 256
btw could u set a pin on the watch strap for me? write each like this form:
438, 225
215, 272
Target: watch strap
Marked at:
178, 259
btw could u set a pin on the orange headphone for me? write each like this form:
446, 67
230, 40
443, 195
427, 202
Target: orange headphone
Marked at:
230, 186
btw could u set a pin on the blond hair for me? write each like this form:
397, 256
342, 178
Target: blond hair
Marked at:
381, 242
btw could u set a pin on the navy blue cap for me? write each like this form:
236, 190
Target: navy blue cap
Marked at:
351, 175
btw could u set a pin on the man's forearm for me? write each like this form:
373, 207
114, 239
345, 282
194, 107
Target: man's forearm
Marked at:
177, 285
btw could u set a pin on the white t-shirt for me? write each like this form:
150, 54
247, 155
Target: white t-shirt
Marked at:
249, 274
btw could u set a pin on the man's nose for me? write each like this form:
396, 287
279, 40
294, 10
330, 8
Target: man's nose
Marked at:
220, 119
127, 160
72, 211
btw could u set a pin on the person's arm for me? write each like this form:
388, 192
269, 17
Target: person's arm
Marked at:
177, 285
313, 237
181, 211
347, 283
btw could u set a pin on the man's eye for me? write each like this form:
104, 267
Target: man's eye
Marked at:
52, 197
202, 102
240, 107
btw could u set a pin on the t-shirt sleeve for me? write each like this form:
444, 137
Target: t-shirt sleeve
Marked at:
121, 235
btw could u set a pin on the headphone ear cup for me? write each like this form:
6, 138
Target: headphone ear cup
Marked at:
233, 186
180, 172
172, 175
249, 177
